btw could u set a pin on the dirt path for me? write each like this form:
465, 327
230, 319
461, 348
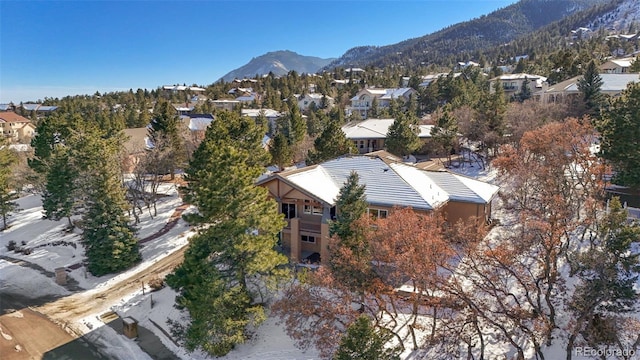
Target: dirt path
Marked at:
30, 333
69, 311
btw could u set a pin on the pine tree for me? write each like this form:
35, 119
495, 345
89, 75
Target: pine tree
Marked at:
165, 130
331, 143
445, 133
402, 138
363, 342
233, 256
280, 150
350, 260
58, 198
620, 136
635, 65
8, 192
525, 90
590, 85
110, 244
608, 272
298, 125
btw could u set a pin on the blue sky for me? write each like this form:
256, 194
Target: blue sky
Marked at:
59, 48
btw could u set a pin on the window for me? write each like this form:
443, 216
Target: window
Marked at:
311, 208
308, 238
289, 210
378, 213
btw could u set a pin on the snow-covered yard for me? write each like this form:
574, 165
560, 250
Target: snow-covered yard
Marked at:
52, 247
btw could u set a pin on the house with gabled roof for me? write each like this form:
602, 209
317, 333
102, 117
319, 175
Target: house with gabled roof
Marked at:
15, 127
617, 66
319, 101
512, 83
370, 135
362, 102
307, 196
567, 91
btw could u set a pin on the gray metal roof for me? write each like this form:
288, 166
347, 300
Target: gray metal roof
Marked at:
390, 184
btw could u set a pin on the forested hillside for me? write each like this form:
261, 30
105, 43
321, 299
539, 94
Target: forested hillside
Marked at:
478, 39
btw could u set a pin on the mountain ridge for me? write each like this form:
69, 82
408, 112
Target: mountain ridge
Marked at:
279, 63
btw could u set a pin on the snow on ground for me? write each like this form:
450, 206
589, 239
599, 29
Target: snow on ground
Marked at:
53, 248
15, 279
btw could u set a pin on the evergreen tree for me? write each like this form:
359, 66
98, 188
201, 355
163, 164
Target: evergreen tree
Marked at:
635, 65
331, 143
590, 85
608, 273
620, 136
352, 205
445, 133
298, 125
8, 192
233, 256
280, 150
363, 342
402, 138
350, 261
109, 240
525, 90
166, 131
58, 198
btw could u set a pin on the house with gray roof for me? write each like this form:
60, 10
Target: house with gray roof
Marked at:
307, 196
567, 91
370, 135
363, 101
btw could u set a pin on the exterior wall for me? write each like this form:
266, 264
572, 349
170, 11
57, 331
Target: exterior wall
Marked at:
368, 145
455, 211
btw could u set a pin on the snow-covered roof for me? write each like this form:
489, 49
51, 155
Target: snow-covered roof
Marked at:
389, 183
182, 88
199, 123
464, 189
519, 76
376, 129
253, 113
622, 62
246, 98
38, 107
396, 93
610, 83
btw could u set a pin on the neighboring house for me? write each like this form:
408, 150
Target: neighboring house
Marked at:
176, 88
428, 79
224, 104
616, 66
135, 146
305, 101
464, 65
183, 109
41, 110
362, 102
307, 196
512, 83
197, 125
270, 114
247, 98
567, 91
369, 135
7, 107
15, 127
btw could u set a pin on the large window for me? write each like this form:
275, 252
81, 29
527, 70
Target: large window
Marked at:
289, 210
378, 213
311, 208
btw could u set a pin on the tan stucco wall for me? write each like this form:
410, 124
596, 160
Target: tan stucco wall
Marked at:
455, 211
